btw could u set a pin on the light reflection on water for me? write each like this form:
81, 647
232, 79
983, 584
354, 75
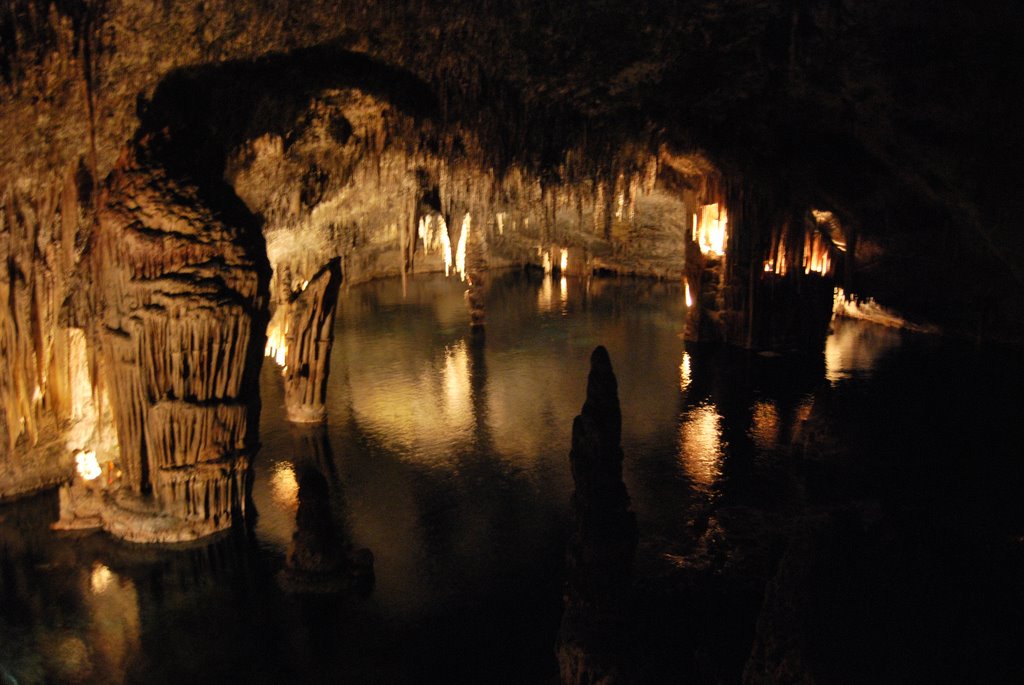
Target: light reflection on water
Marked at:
853, 348
765, 430
700, 447
447, 457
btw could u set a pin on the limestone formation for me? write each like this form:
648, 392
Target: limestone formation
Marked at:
593, 642
308, 336
340, 132
180, 301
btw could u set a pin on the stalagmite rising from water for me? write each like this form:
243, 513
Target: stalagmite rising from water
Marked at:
592, 641
308, 339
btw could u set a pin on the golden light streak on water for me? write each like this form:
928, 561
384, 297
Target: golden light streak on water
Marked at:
284, 487
700, 444
765, 429
685, 377
457, 401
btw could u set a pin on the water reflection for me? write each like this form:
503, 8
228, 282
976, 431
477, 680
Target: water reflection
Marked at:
457, 407
765, 430
854, 348
284, 486
449, 459
115, 627
546, 299
685, 372
700, 448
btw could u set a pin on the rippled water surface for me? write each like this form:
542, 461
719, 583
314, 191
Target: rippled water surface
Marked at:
447, 457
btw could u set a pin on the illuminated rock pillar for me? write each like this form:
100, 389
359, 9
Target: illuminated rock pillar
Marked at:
765, 284
309, 336
182, 296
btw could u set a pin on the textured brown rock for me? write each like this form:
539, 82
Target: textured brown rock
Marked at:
181, 297
309, 336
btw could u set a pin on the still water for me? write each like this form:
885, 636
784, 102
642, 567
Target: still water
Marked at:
447, 457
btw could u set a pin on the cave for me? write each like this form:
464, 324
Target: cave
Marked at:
611, 342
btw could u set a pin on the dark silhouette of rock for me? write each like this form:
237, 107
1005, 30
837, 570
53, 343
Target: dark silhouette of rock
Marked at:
594, 639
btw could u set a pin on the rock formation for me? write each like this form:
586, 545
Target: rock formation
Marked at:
344, 130
593, 642
180, 302
308, 335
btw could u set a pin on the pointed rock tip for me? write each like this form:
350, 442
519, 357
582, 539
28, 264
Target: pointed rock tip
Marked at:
599, 359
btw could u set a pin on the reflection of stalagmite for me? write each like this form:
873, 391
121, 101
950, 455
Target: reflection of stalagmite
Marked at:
182, 296
593, 642
318, 559
308, 338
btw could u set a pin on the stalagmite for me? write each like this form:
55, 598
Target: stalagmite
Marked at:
182, 296
593, 638
475, 262
309, 327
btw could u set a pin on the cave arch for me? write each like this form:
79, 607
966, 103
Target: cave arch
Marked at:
183, 286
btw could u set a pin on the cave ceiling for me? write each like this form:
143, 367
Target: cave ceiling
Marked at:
899, 117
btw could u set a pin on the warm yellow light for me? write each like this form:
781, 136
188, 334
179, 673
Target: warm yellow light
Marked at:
768, 266
684, 372
277, 348
547, 262
446, 247
700, 447
765, 429
565, 259
457, 400
711, 229
100, 578
545, 296
816, 254
460, 252
87, 465
689, 298
284, 488
563, 290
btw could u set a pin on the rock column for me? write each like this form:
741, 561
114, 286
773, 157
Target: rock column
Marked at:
182, 295
309, 336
